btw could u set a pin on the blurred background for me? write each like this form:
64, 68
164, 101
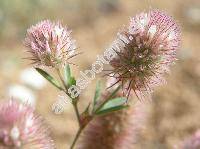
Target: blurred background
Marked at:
174, 113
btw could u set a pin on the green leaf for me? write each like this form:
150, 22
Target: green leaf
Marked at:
72, 81
115, 102
114, 92
49, 78
68, 76
114, 109
112, 105
97, 93
67, 72
108, 98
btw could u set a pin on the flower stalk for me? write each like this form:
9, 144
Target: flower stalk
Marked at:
75, 106
76, 137
144, 52
77, 113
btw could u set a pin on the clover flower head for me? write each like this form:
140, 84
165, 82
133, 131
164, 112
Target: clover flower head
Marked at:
20, 127
120, 129
192, 142
50, 44
145, 50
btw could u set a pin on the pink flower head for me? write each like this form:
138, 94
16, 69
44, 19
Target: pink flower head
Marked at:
117, 130
144, 51
50, 44
192, 142
20, 127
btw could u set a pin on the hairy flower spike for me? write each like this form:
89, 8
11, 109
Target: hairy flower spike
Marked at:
145, 50
50, 44
192, 142
118, 130
20, 127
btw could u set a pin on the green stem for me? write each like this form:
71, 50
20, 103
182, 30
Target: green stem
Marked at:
76, 137
81, 128
61, 78
74, 101
109, 97
77, 112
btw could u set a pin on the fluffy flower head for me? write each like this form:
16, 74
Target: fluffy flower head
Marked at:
145, 50
20, 127
50, 44
118, 130
192, 142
